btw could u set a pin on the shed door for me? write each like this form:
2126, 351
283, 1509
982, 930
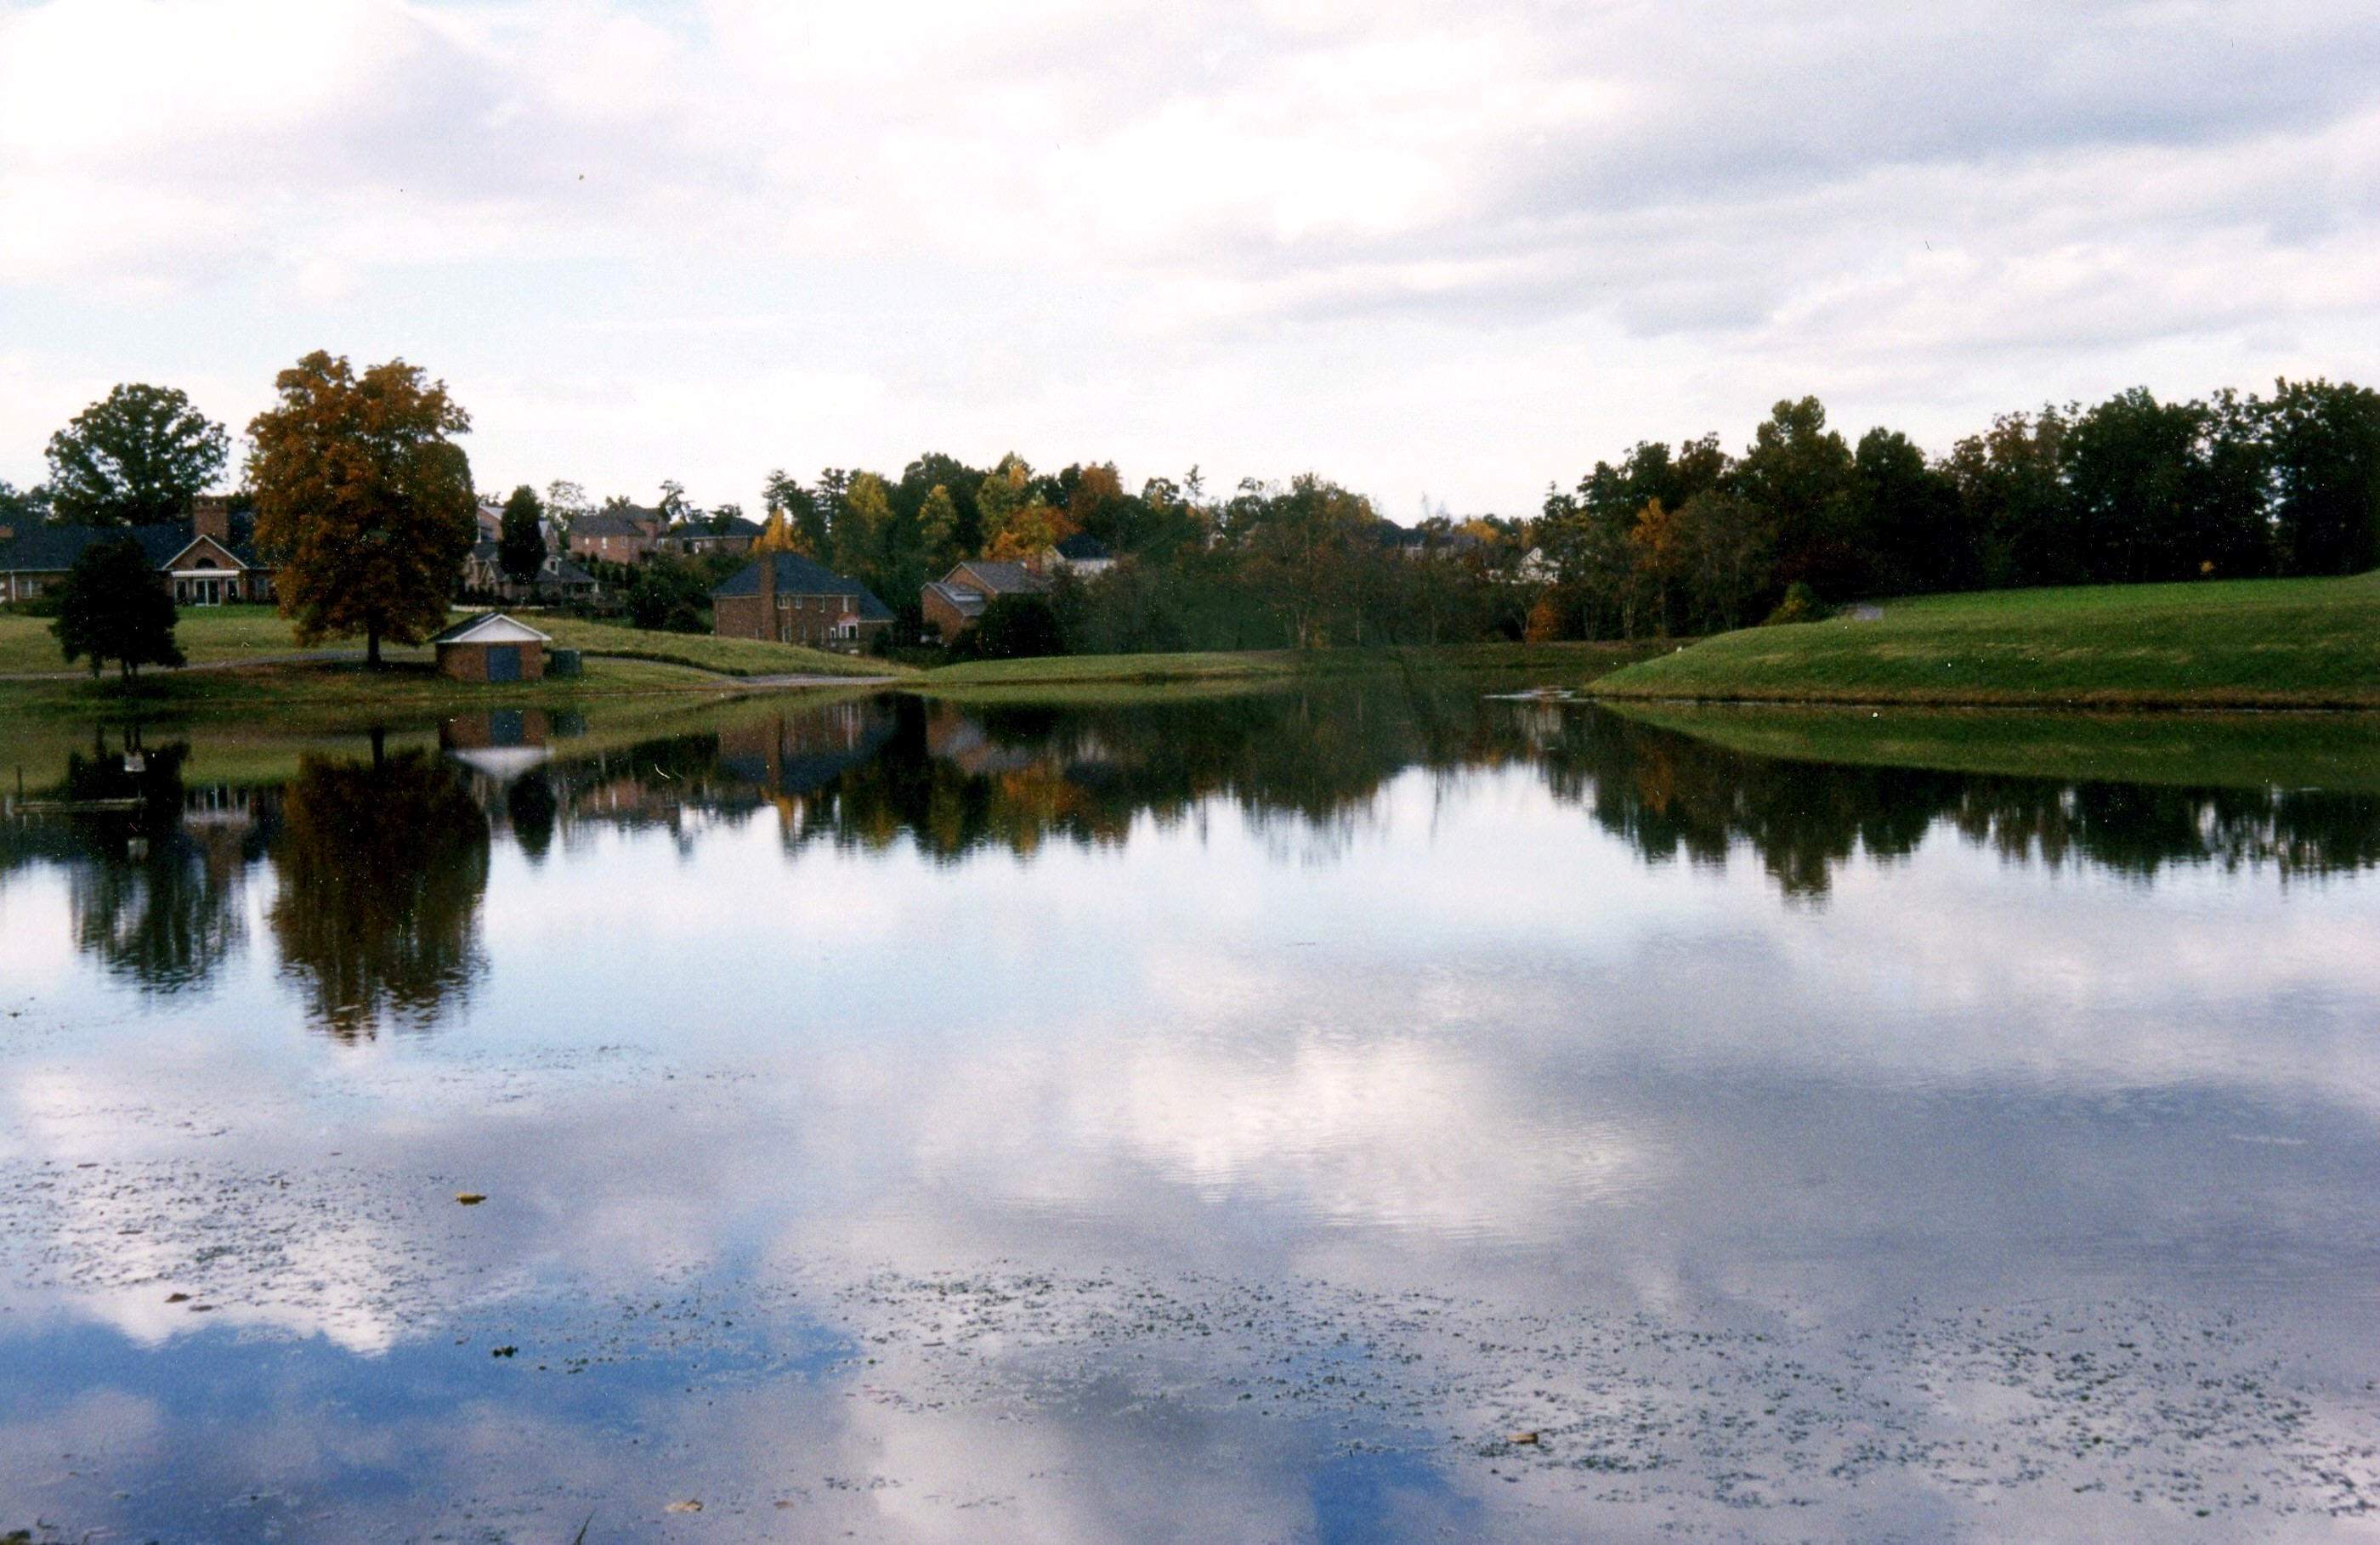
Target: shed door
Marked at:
503, 662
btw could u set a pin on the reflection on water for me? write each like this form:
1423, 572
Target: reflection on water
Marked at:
1210, 1117
381, 860
380, 868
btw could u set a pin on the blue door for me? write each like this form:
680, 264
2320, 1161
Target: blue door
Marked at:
503, 662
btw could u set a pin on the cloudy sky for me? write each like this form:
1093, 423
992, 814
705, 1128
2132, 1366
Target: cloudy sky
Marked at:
1446, 250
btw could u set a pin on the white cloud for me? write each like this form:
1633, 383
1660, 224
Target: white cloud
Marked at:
1466, 249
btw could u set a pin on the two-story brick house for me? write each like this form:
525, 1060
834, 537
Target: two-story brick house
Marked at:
787, 597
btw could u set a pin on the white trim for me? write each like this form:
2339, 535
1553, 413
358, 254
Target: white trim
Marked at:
497, 628
212, 542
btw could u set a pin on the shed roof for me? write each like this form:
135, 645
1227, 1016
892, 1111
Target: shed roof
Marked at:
491, 627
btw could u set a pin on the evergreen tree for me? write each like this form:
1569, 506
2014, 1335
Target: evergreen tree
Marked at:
520, 541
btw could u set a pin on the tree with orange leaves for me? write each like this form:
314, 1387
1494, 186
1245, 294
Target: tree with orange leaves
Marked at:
363, 499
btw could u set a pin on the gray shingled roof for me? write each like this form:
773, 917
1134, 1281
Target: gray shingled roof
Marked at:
1002, 579
614, 522
797, 575
967, 603
53, 549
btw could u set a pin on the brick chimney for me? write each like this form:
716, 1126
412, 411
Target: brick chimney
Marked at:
769, 597
211, 516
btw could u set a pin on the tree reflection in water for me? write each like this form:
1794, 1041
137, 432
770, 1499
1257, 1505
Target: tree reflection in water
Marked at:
154, 894
382, 862
381, 865
1311, 764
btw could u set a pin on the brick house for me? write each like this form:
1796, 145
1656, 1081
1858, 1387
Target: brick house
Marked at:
952, 603
1077, 554
627, 535
483, 574
209, 560
785, 596
694, 538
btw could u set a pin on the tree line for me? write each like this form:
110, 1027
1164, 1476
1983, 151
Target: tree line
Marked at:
358, 487
1688, 539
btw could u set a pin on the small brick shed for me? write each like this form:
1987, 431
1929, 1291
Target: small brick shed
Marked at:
493, 647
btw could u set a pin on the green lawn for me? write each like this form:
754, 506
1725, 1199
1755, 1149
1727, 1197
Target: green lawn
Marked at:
735, 657
215, 634
1570, 663
2331, 751
2276, 642
205, 633
333, 686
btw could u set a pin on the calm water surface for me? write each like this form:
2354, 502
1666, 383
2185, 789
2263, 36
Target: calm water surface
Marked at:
1205, 1118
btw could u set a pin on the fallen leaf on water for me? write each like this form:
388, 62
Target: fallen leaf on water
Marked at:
470, 1199
688, 1506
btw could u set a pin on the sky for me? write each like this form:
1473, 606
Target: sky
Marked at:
1445, 254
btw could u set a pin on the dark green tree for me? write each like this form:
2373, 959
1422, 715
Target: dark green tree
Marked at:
2324, 446
22, 507
111, 606
520, 540
1798, 474
1013, 627
136, 457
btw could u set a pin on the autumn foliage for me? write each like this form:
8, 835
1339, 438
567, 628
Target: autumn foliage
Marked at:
365, 498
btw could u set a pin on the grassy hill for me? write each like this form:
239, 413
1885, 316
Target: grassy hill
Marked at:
221, 634
2278, 643
1565, 661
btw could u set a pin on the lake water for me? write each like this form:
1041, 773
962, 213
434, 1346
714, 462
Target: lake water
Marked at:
1207, 1116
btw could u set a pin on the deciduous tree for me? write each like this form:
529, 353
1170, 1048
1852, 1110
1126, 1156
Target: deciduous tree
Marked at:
111, 606
136, 457
365, 498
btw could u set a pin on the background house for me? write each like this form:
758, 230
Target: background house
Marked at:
626, 534
483, 574
788, 598
952, 603
1078, 554
694, 538
208, 560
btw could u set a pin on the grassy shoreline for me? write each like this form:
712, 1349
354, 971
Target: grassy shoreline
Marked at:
251, 663
2265, 749
1567, 660
2237, 644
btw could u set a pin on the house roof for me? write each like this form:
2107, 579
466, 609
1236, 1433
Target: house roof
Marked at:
797, 575
491, 627
1000, 579
53, 548
967, 603
1083, 547
630, 522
